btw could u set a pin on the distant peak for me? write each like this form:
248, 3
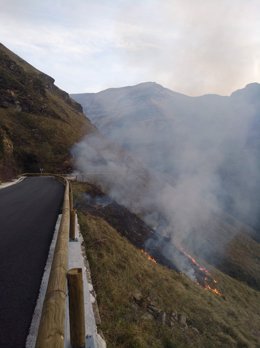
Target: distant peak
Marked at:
250, 91
253, 86
149, 83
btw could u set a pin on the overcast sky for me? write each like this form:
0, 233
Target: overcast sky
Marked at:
190, 46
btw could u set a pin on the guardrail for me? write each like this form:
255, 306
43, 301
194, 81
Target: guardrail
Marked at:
51, 332
52, 324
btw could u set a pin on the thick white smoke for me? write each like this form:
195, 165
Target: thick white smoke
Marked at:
182, 176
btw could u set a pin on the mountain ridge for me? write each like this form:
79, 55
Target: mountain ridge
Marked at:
155, 84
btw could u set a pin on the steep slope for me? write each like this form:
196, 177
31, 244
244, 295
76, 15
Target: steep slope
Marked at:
143, 304
38, 122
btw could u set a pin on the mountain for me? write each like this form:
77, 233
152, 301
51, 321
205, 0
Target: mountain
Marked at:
201, 180
38, 122
211, 141
160, 111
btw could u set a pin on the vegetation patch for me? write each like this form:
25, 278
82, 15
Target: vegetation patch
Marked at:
39, 120
143, 304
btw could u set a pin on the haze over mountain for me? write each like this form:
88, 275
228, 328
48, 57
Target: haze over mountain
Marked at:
189, 169
201, 154
211, 140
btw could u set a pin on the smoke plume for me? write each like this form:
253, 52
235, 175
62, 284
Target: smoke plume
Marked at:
184, 171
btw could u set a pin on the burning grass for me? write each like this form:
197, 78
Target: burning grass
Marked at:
97, 203
203, 276
128, 285
149, 257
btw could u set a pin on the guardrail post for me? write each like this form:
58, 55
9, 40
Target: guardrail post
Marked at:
72, 224
76, 308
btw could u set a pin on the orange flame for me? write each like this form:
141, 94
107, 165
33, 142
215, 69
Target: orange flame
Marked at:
149, 257
201, 268
213, 290
208, 278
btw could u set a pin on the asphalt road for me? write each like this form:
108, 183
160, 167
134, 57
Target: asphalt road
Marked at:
28, 214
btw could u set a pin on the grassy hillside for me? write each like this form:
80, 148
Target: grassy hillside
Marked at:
229, 245
143, 304
38, 122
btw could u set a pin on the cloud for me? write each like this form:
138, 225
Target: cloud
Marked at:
67, 48
198, 47
190, 46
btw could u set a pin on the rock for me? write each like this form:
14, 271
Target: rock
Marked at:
195, 330
162, 318
172, 323
7, 144
134, 305
182, 319
174, 316
5, 104
18, 106
155, 311
137, 296
147, 316
151, 302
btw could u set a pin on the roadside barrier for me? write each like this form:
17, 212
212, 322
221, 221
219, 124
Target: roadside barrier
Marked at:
76, 308
52, 324
72, 224
51, 333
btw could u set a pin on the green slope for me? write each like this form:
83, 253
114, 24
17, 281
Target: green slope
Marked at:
38, 122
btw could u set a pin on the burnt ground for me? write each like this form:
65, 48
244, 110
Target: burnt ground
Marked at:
129, 225
126, 223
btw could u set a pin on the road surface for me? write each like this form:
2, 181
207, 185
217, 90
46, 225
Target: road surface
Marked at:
28, 214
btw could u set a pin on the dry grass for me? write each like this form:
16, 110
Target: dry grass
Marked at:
39, 121
120, 271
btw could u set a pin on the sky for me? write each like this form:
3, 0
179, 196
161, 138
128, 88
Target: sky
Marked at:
190, 46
